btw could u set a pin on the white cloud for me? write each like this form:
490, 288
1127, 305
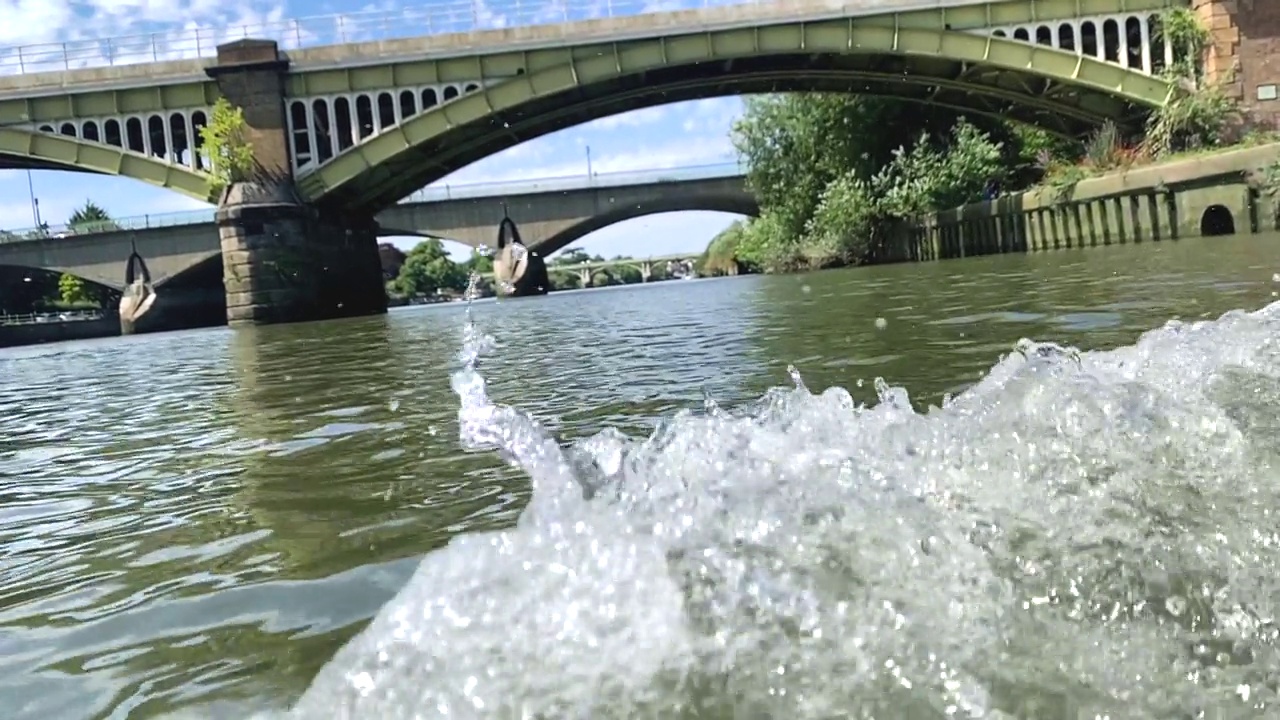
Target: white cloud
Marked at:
42, 35
644, 116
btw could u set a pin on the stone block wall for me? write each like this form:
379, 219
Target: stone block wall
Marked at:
285, 262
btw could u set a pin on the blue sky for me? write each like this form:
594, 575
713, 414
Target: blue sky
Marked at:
663, 137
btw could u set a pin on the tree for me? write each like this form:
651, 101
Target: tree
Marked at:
819, 165
427, 269
626, 274
71, 289
225, 139
575, 256
565, 280
91, 218
479, 263
721, 255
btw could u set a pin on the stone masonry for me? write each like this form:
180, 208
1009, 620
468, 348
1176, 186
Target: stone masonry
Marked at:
284, 260
1244, 53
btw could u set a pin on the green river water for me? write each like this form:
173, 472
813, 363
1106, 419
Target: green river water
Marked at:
196, 522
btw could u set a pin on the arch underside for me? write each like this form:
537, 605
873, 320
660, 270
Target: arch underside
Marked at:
22, 149
78, 273
739, 204
1062, 92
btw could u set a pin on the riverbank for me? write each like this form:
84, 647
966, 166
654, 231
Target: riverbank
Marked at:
1218, 194
37, 333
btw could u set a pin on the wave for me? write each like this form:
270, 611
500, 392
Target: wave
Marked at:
1080, 532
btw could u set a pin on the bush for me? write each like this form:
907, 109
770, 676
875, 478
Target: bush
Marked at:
841, 231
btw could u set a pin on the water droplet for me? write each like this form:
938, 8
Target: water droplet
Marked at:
394, 405
806, 289
1176, 605
881, 323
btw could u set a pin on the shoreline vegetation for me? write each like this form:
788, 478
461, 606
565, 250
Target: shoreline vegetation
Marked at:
837, 175
427, 274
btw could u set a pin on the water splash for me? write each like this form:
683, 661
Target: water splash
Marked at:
1081, 533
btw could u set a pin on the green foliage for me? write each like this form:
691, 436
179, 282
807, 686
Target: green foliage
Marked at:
1182, 30
478, 263
91, 218
1192, 122
835, 174
795, 145
769, 243
561, 280
427, 270
71, 289
721, 256
574, 256
933, 176
855, 210
1198, 117
225, 139
844, 226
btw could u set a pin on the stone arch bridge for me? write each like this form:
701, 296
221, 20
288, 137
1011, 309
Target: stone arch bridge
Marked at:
550, 219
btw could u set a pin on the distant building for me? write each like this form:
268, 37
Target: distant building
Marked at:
392, 259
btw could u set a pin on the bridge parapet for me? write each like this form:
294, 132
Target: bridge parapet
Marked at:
358, 77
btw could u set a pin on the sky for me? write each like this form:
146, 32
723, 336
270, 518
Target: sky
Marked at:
663, 137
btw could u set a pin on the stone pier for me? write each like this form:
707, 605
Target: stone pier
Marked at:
284, 260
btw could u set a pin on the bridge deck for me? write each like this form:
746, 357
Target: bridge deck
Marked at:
383, 37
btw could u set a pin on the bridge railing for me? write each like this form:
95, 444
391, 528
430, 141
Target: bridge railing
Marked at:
569, 183
39, 318
435, 193
422, 19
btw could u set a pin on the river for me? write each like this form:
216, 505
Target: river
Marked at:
194, 524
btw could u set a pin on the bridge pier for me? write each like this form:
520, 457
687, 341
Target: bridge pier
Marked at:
285, 261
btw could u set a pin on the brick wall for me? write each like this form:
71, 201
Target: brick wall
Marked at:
1245, 52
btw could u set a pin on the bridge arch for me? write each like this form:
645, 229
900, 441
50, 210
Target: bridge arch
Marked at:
742, 204
21, 148
1058, 90
24, 285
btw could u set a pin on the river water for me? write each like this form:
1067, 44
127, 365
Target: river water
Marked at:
203, 524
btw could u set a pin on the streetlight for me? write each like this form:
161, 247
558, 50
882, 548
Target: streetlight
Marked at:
588, 163
35, 204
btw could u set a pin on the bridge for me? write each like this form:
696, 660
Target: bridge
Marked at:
348, 117
553, 213
586, 270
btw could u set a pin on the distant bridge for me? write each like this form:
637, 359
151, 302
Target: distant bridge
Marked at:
645, 265
552, 213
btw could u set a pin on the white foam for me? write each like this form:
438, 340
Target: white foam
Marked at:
1092, 531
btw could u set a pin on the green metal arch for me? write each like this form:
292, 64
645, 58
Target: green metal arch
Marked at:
360, 165
50, 150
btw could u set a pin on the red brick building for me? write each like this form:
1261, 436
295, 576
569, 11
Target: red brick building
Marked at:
1245, 52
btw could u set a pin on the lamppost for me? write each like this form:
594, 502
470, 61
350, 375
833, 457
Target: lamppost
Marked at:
35, 204
589, 175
